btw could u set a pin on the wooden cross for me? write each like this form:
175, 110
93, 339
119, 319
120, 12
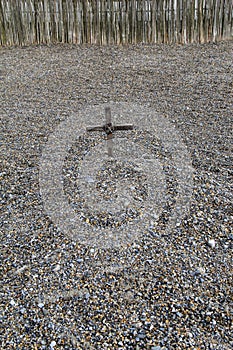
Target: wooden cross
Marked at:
109, 128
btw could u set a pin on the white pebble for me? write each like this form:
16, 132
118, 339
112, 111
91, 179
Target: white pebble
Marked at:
57, 268
201, 270
21, 269
40, 305
12, 302
212, 243
52, 344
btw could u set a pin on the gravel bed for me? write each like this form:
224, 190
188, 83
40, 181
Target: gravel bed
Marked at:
167, 287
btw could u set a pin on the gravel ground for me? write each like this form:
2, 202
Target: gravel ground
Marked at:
164, 290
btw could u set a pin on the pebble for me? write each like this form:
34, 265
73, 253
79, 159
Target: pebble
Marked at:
212, 243
52, 344
57, 268
58, 292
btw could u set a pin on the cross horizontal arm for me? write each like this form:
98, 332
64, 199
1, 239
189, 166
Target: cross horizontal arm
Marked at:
96, 128
114, 127
123, 127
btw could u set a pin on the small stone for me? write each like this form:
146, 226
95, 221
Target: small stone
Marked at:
211, 243
12, 302
52, 344
200, 271
40, 305
90, 179
21, 269
141, 336
57, 268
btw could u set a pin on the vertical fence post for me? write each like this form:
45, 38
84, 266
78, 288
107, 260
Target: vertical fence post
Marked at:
215, 22
3, 38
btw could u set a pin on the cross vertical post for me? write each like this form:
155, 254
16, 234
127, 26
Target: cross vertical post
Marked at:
109, 131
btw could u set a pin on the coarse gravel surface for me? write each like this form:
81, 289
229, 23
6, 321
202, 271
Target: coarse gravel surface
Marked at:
162, 290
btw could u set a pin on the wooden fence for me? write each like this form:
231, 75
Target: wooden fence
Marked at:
24, 22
